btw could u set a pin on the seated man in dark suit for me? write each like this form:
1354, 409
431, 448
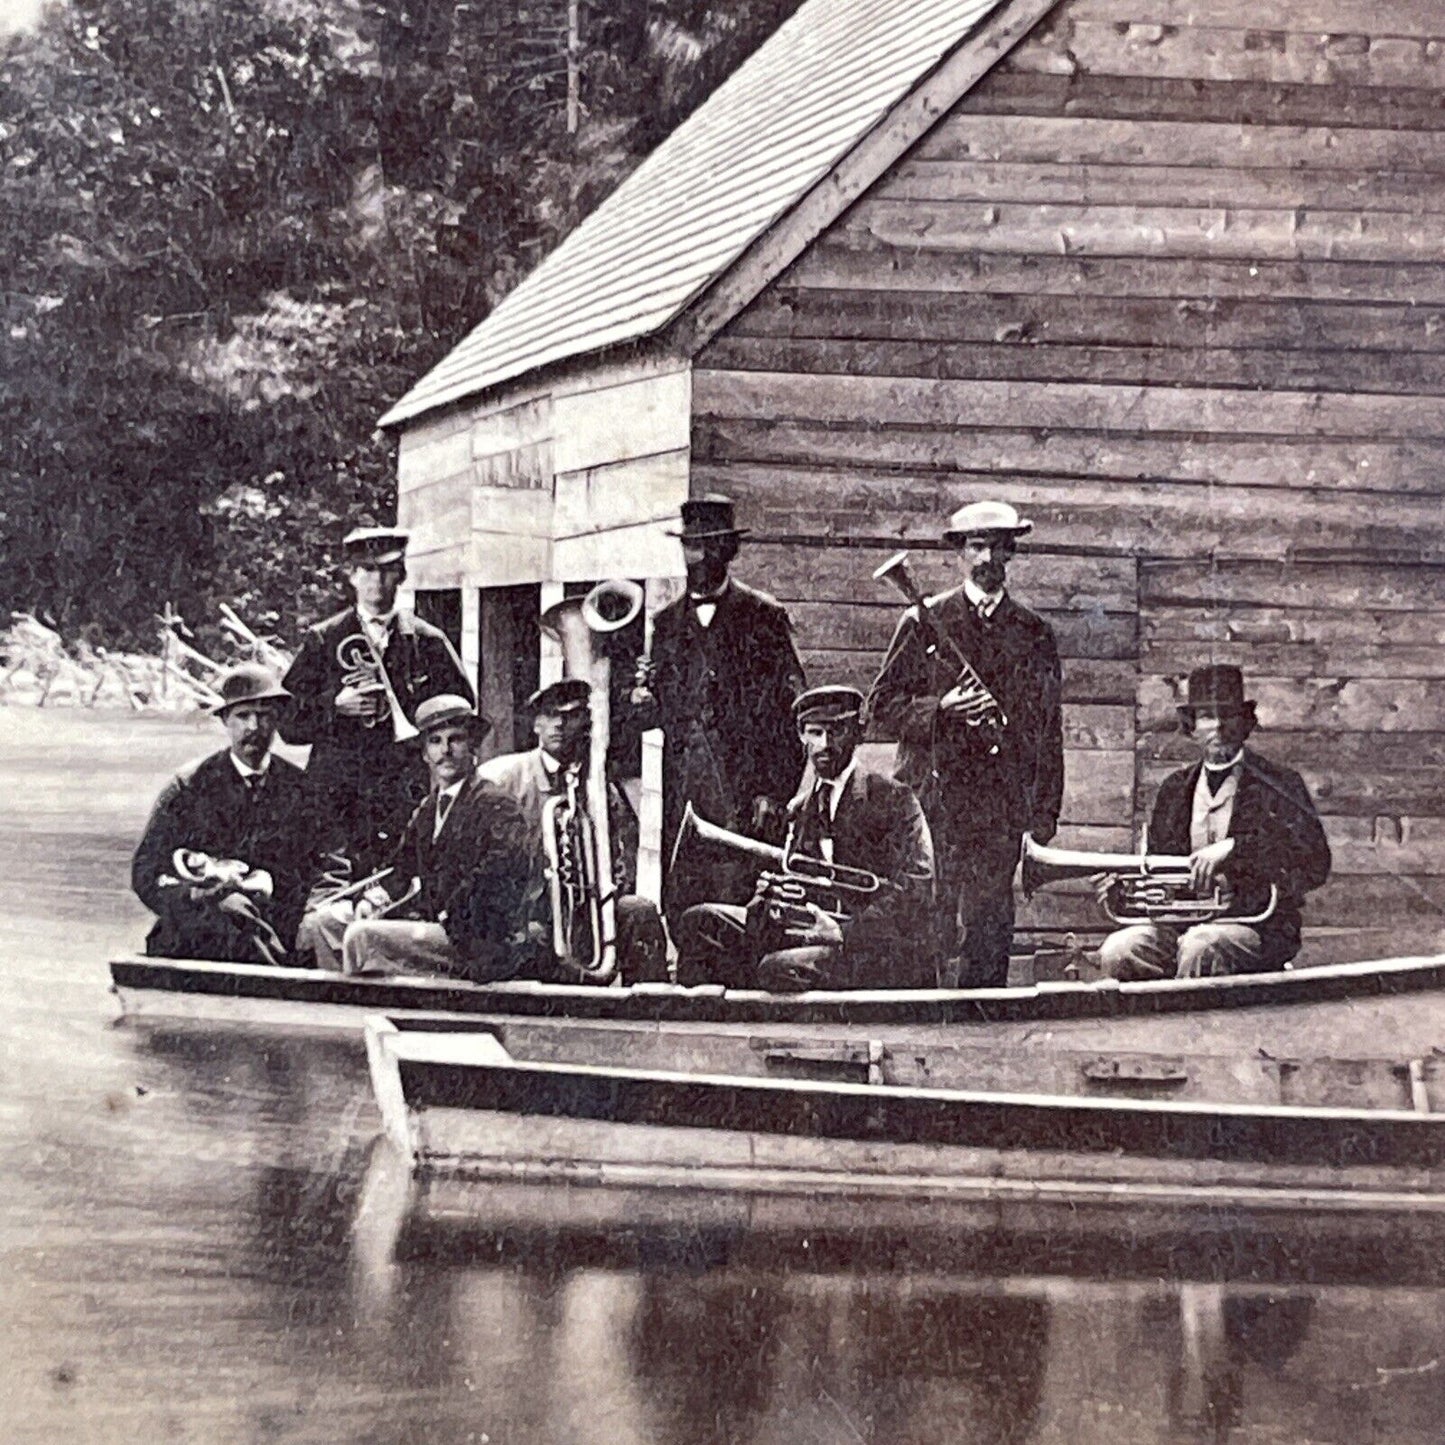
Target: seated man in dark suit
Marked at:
834, 938
562, 721
224, 863
466, 847
1243, 822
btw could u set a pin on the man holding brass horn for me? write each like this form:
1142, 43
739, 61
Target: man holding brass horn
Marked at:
551, 785
971, 690
1247, 827
357, 682
466, 846
720, 681
839, 908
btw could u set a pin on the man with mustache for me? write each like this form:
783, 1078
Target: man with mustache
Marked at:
987, 762
1244, 823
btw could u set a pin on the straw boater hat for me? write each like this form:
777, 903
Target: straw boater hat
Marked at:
446, 708
831, 703
373, 546
707, 518
1218, 687
247, 682
980, 517
568, 695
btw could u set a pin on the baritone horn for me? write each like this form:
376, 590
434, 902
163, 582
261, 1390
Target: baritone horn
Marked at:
1139, 887
576, 834
362, 667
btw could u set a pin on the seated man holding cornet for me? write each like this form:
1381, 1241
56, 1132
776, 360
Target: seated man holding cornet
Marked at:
845, 903
1247, 832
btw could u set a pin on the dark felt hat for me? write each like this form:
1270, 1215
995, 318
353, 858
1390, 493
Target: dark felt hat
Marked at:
831, 703
709, 517
563, 696
447, 708
247, 682
373, 546
1218, 687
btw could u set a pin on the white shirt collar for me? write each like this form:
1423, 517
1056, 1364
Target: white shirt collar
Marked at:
550, 765
246, 770
376, 621
1228, 767
981, 601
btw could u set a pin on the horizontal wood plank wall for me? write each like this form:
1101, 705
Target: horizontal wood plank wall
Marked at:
1170, 281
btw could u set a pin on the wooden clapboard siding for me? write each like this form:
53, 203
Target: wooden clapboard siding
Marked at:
1168, 279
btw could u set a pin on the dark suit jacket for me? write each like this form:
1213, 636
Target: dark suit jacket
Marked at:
208, 808
976, 800
728, 687
1278, 837
474, 876
879, 826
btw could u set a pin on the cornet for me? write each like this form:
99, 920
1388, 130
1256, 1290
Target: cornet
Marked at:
362, 667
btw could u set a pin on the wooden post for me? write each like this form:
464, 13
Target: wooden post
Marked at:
650, 842
574, 67
472, 637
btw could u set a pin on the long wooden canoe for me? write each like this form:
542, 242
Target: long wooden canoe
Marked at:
464, 1107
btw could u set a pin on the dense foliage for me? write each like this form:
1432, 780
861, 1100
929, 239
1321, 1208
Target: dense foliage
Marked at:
235, 230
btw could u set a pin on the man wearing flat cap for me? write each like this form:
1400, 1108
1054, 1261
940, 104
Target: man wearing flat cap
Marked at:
876, 936
562, 722
1247, 826
983, 753
224, 862
357, 682
720, 683
460, 872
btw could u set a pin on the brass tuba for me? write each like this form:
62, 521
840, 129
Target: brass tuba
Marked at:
1142, 887
576, 837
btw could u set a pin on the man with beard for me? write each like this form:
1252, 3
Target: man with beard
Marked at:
720, 683
364, 784
842, 817
562, 722
224, 862
1247, 825
984, 754
466, 849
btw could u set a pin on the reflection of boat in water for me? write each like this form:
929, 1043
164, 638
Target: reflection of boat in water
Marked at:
862, 1127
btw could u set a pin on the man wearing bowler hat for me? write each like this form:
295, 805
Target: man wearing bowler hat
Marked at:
842, 817
984, 752
357, 682
460, 871
224, 862
1247, 825
720, 683
562, 722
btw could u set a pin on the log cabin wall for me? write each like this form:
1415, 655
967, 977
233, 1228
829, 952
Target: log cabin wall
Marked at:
1169, 280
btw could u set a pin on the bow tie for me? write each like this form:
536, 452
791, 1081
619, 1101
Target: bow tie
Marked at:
1214, 777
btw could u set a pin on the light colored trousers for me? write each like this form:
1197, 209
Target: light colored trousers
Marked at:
1207, 950
395, 945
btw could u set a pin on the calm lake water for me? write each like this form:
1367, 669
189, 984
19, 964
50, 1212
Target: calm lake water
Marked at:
202, 1241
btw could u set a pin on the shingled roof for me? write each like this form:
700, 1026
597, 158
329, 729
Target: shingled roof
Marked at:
748, 154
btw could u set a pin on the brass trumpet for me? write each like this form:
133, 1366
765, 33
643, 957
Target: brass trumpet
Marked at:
1141, 887
895, 571
362, 667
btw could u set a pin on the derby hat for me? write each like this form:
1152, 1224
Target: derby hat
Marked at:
1219, 687
707, 518
830, 703
981, 517
247, 682
447, 708
373, 546
564, 696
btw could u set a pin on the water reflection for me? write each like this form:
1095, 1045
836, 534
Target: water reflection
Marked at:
203, 1241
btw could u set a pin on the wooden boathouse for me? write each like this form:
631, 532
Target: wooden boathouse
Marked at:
1168, 275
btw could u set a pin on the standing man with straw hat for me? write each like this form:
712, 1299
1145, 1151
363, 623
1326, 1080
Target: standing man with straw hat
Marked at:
984, 754
720, 683
357, 682
224, 862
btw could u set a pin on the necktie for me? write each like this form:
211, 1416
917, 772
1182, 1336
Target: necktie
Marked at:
1214, 779
823, 809
444, 808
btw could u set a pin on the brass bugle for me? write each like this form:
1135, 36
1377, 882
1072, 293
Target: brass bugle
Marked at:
364, 668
